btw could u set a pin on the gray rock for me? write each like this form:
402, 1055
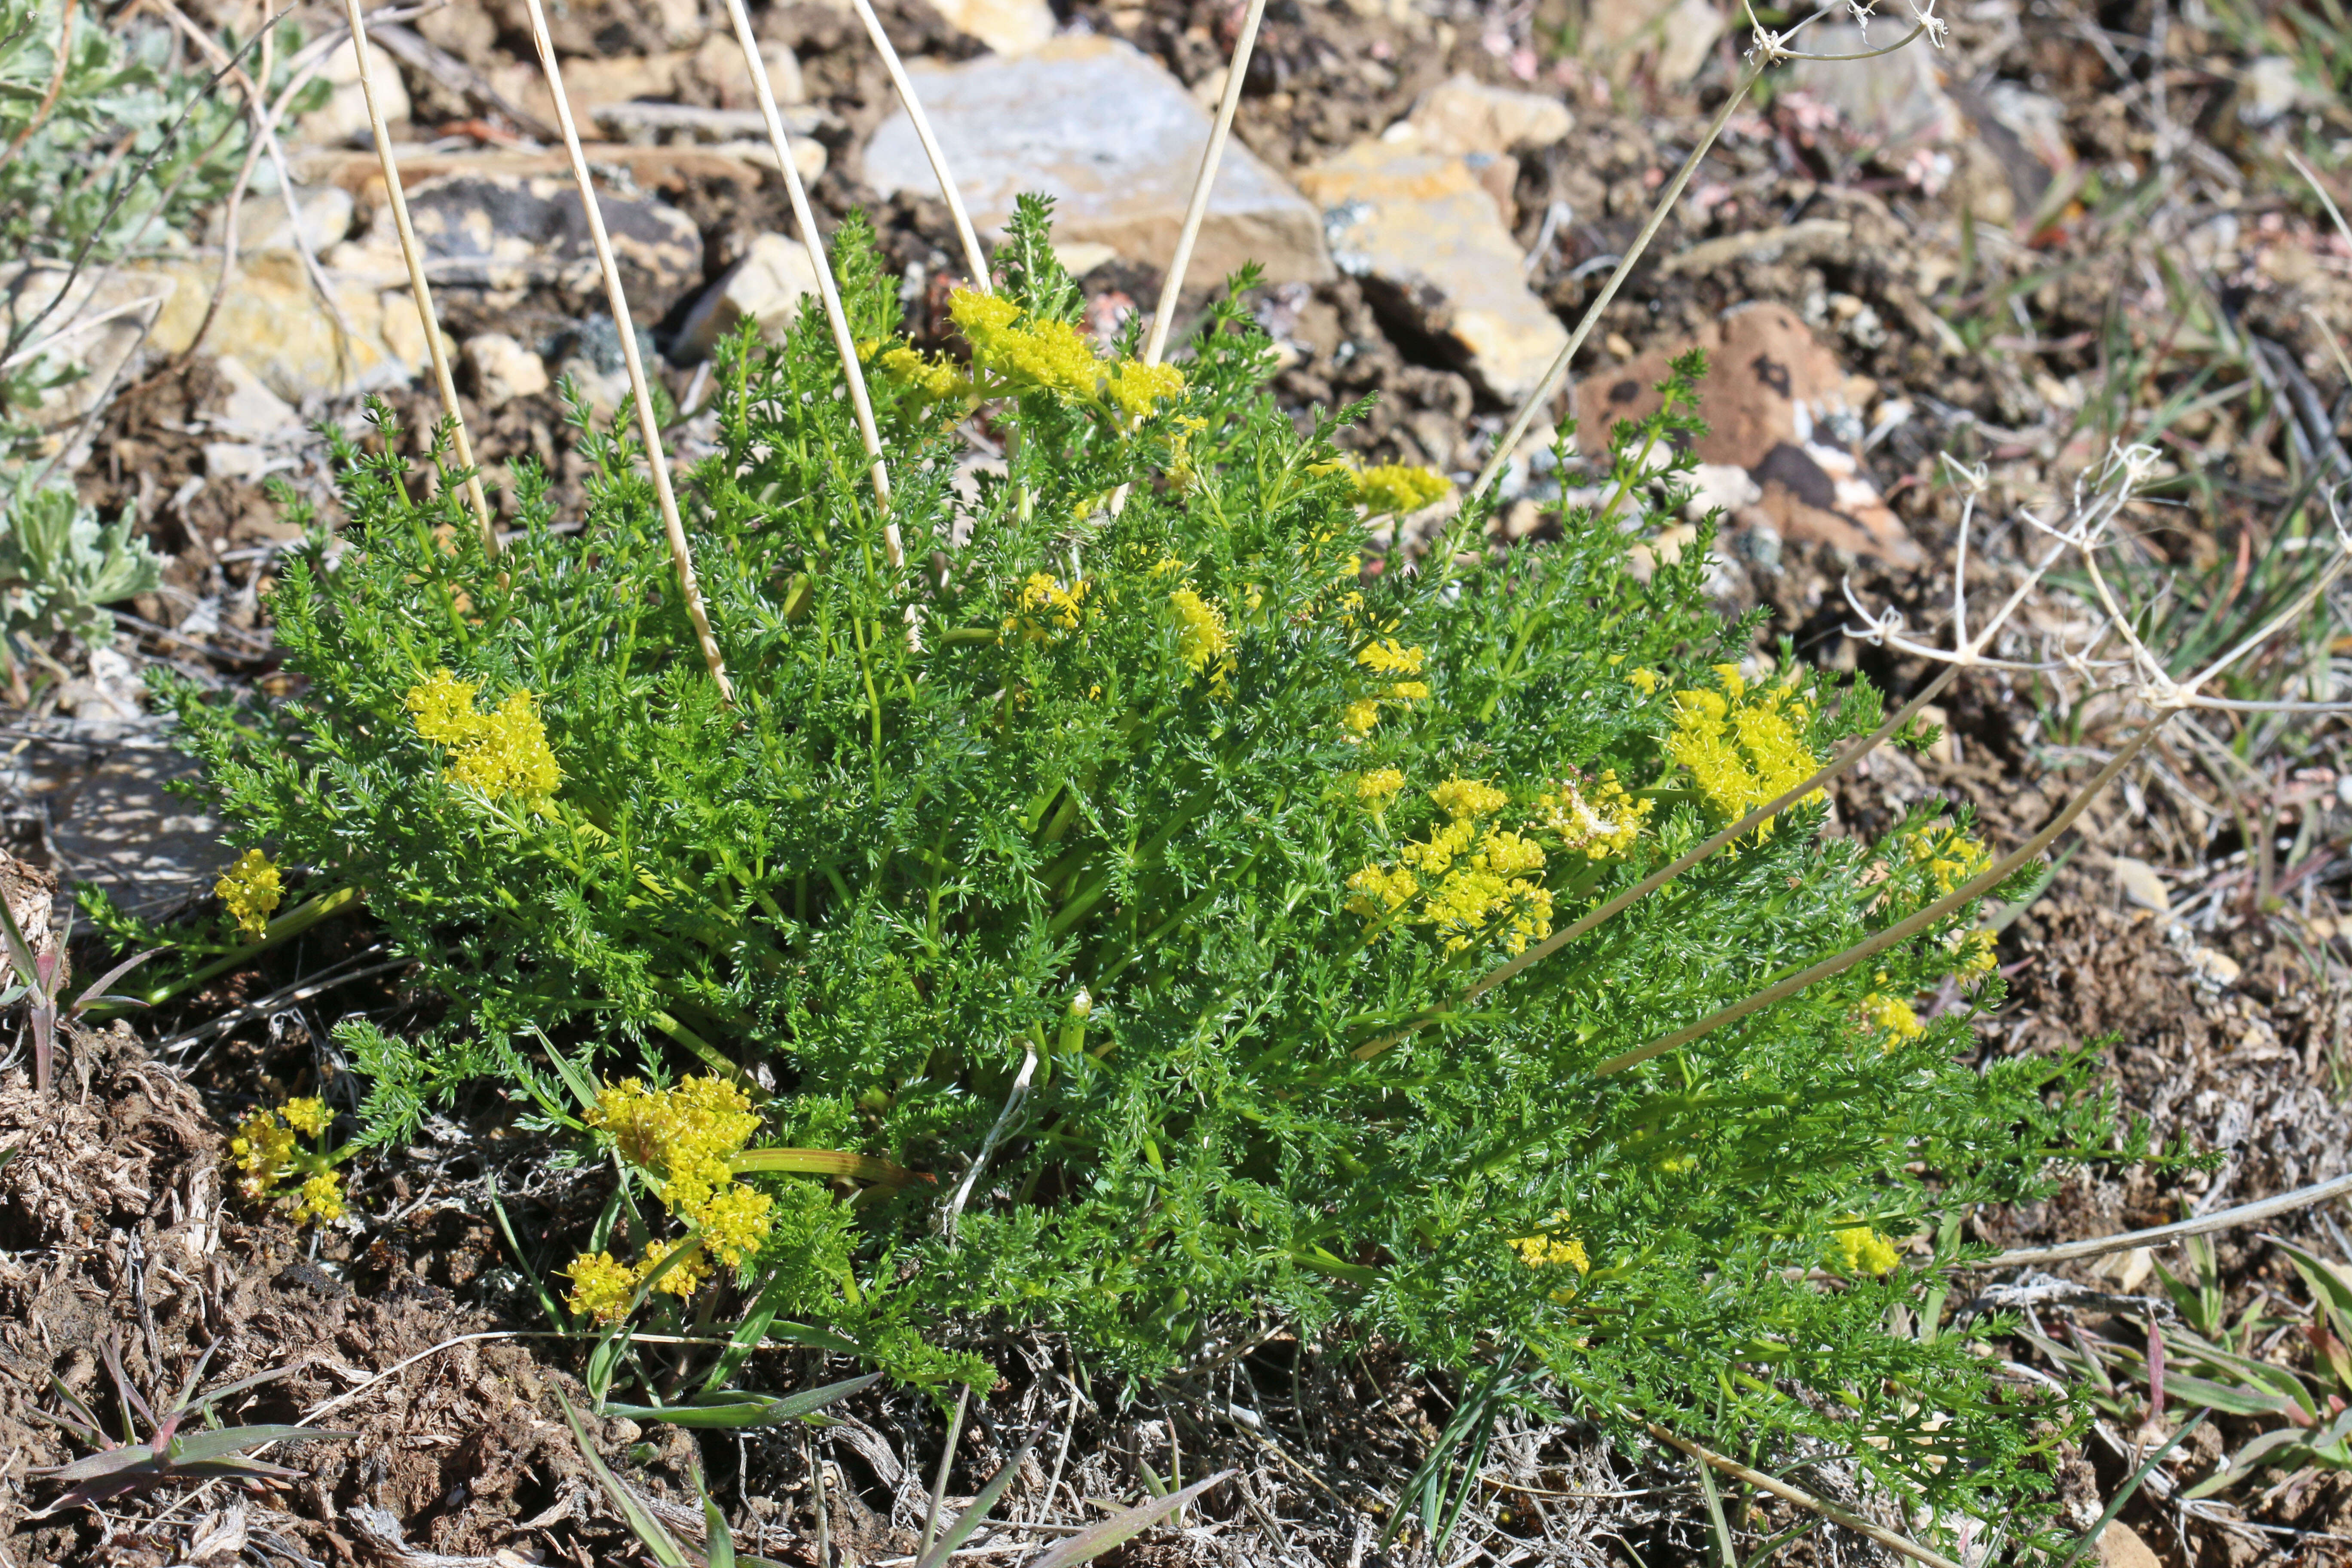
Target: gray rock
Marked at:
766, 286
506, 232
1893, 102
1116, 141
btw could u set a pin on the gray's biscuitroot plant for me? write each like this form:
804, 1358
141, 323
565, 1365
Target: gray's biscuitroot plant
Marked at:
1082, 924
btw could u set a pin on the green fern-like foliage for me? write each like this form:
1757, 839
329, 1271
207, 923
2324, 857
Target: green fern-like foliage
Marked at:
1150, 852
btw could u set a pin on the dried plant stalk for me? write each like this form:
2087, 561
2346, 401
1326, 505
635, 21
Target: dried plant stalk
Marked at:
414, 256
972, 255
1787, 1493
1197, 208
688, 590
860, 401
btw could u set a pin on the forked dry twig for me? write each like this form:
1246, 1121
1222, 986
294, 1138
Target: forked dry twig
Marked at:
617, 298
414, 255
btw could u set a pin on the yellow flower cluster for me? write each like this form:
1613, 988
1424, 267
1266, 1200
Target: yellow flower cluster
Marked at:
250, 890
1859, 1250
1202, 640
685, 1136
266, 1148
1552, 1250
942, 379
1383, 658
1041, 353
1399, 488
1978, 952
1374, 790
1951, 857
501, 753
1047, 609
1741, 748
1136, 387
1601, 824
1892, 1015
1467, 876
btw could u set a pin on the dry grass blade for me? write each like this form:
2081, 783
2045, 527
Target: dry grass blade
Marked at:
1508, 442
414, 256
843, 341
1787, 1493
972, 255
1172, 286
947, 1463
2158, 1236
1090, 1544
647, 425
1905, 930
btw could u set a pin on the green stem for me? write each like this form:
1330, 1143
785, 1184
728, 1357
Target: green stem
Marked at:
292, 923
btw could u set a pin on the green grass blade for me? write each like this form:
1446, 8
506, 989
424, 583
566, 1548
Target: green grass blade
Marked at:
649, 1530
972, 1517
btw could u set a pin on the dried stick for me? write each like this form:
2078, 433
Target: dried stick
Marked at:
1171, 286
414, 256
1905, 930
1787, 1493
972, 255
2157, 1236
843, 341
618, 300
1770, 47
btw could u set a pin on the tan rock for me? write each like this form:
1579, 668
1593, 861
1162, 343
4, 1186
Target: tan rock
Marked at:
2138, 882
264, 224
1463, 114
503, 369
766, 286
95, 327
1418, 229
589, 82
2121, 1547
1007, 27
1778, 404
344, 116
720, 66
249, 411
1116, 141
283, 333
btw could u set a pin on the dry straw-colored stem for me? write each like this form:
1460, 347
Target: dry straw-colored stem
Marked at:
1804, 1500
973, 257
2158, 1236
647, 425
1172, 286
414, 255
1905, 930
844, 341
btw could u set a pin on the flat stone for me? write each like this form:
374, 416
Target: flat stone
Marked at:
284, 333
719, 65
766, 286
503, 369
2138, 882
264, 224
102, 784
94, 328
344, 116
2121, 1547
1463, 114
507, 232
1007, 27
1778, 404
251, 412
1116, 141
1421, 229
1895, 102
